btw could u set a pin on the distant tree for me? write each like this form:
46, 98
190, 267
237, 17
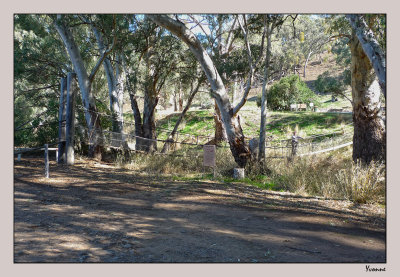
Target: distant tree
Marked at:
314, 40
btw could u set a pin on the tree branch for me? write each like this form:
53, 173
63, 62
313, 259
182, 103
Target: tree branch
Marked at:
104, 55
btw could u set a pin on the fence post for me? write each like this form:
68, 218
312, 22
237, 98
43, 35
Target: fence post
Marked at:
46, 160
294, 145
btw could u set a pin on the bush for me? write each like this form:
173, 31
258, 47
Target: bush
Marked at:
289, 90
326, 83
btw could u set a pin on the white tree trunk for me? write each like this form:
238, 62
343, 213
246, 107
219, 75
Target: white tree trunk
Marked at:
371, 48
115, 85
91, 115
232, 126
305, 65
70, 119
369, 141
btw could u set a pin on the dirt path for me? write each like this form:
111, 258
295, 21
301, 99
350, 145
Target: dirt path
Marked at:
97, 213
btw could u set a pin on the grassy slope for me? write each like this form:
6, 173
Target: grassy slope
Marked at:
279, 124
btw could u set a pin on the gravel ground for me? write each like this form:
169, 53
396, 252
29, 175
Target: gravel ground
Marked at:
96, 213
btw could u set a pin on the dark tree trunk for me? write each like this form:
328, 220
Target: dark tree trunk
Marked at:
175, 102
369, 141
138, 122
220, 134
180, 102
149, 126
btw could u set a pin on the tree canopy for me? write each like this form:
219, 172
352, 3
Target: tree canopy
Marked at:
150, 61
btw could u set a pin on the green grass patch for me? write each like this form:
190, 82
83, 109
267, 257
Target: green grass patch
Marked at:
260, 181
279, 124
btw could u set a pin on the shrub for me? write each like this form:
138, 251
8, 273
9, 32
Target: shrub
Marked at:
289, 90
326, 83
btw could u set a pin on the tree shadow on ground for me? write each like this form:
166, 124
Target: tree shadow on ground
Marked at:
88, 214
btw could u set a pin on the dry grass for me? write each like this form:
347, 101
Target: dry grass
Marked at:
332, 175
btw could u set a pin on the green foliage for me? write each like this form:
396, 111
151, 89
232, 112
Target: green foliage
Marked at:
32, 130
289, 90
342, 52
336, 85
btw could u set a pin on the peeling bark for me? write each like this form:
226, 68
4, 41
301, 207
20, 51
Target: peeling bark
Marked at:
371, 48
239, 149
369, 141
219, 134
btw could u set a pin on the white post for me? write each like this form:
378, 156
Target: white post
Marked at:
46, 160
70, 120
57, 154
238, 173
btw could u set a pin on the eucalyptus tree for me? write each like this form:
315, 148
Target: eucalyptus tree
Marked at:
219, 32
62, 24
271, 23
231, 121
369, 141
155, 55
286, 53
370, 43
103, 27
